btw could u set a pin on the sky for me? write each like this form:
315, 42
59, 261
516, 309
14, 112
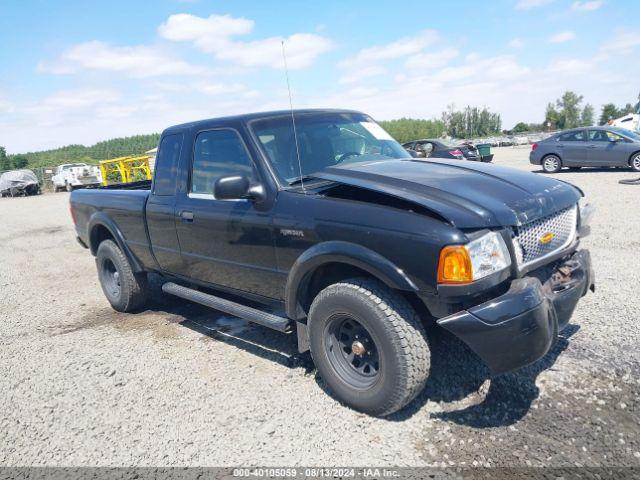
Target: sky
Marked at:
80, 72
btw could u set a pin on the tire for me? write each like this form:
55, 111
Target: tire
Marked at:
551, 164
634, 162
125, 290
383, 331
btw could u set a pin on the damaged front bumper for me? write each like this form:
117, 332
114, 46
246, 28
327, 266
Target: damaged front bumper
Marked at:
520, 326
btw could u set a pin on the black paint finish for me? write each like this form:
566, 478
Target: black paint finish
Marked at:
389, 219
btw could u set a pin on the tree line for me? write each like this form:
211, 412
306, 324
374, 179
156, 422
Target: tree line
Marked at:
568, 111
116, 147
469, 122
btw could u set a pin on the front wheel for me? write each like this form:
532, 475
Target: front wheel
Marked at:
634, 163
125, 290
369, 345
551, 164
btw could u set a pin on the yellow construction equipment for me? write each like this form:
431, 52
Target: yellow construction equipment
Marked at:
127, 169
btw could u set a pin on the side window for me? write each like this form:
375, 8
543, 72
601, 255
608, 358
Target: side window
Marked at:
166, 169
614, 137
577, 136
218, 153
598, 136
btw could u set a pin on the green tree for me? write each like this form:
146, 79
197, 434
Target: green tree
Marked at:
471, 122
552, 117
407, 129
586, 118
5, 163
520, 127
117, 147
19, 161
569, 110
609, 110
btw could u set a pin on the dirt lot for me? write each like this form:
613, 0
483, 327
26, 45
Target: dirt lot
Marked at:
179, 385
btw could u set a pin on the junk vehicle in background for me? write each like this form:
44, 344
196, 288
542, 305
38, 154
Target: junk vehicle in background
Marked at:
76, 175
335, 232
440, 148
588, 147
19, 183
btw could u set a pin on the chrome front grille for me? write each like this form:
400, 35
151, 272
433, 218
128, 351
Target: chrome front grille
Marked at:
529, 239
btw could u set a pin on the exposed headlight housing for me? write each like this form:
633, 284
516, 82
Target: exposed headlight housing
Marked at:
475, 260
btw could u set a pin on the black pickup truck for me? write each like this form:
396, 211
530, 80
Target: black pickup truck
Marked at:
317, 221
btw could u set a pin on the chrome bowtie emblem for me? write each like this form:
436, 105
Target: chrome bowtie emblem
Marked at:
546, 238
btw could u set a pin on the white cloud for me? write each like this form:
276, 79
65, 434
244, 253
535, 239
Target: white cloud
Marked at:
586, 6
571, 66
135, 61
562, 37
622, 42
301, 48
215, 33
400, 48
220, 88
432, 59
66, 100
5, 106
362, 73
529, 4
516, 43
206, 33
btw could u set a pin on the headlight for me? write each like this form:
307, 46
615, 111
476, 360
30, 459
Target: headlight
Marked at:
473, 261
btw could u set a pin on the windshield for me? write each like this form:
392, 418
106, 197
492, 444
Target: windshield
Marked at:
324, 140
626, 133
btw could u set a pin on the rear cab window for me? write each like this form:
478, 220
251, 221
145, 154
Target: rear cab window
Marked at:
166, 168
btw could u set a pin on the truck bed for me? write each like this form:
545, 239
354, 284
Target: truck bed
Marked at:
124, 208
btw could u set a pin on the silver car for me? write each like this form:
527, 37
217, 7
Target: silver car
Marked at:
588, 147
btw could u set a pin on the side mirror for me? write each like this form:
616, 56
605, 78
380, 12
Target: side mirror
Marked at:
413, 153
237, 187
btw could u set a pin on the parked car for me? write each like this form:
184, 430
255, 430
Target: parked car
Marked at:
75, 175
588, 147
432, 148
334, 231
18, 183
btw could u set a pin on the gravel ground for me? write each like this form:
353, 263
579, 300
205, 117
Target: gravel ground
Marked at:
180, 385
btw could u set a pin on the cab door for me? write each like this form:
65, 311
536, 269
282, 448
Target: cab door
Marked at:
161, 205
572, 147
227, 243
606, 149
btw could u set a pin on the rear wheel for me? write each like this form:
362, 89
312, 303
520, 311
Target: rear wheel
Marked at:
551, 164
125, 290
634, 163
368, 345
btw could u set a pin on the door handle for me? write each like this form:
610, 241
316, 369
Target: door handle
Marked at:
591, 146
186, 216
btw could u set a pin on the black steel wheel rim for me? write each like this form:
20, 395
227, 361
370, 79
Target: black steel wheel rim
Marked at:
111, 277
352, 352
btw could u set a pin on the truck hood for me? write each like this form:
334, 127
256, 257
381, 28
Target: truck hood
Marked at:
467, 194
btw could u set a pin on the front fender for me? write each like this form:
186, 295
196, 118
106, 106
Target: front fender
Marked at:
344, 253
101, 219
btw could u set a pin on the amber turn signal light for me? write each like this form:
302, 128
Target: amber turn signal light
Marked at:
455, 265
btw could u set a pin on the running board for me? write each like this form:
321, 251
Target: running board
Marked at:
265, 319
